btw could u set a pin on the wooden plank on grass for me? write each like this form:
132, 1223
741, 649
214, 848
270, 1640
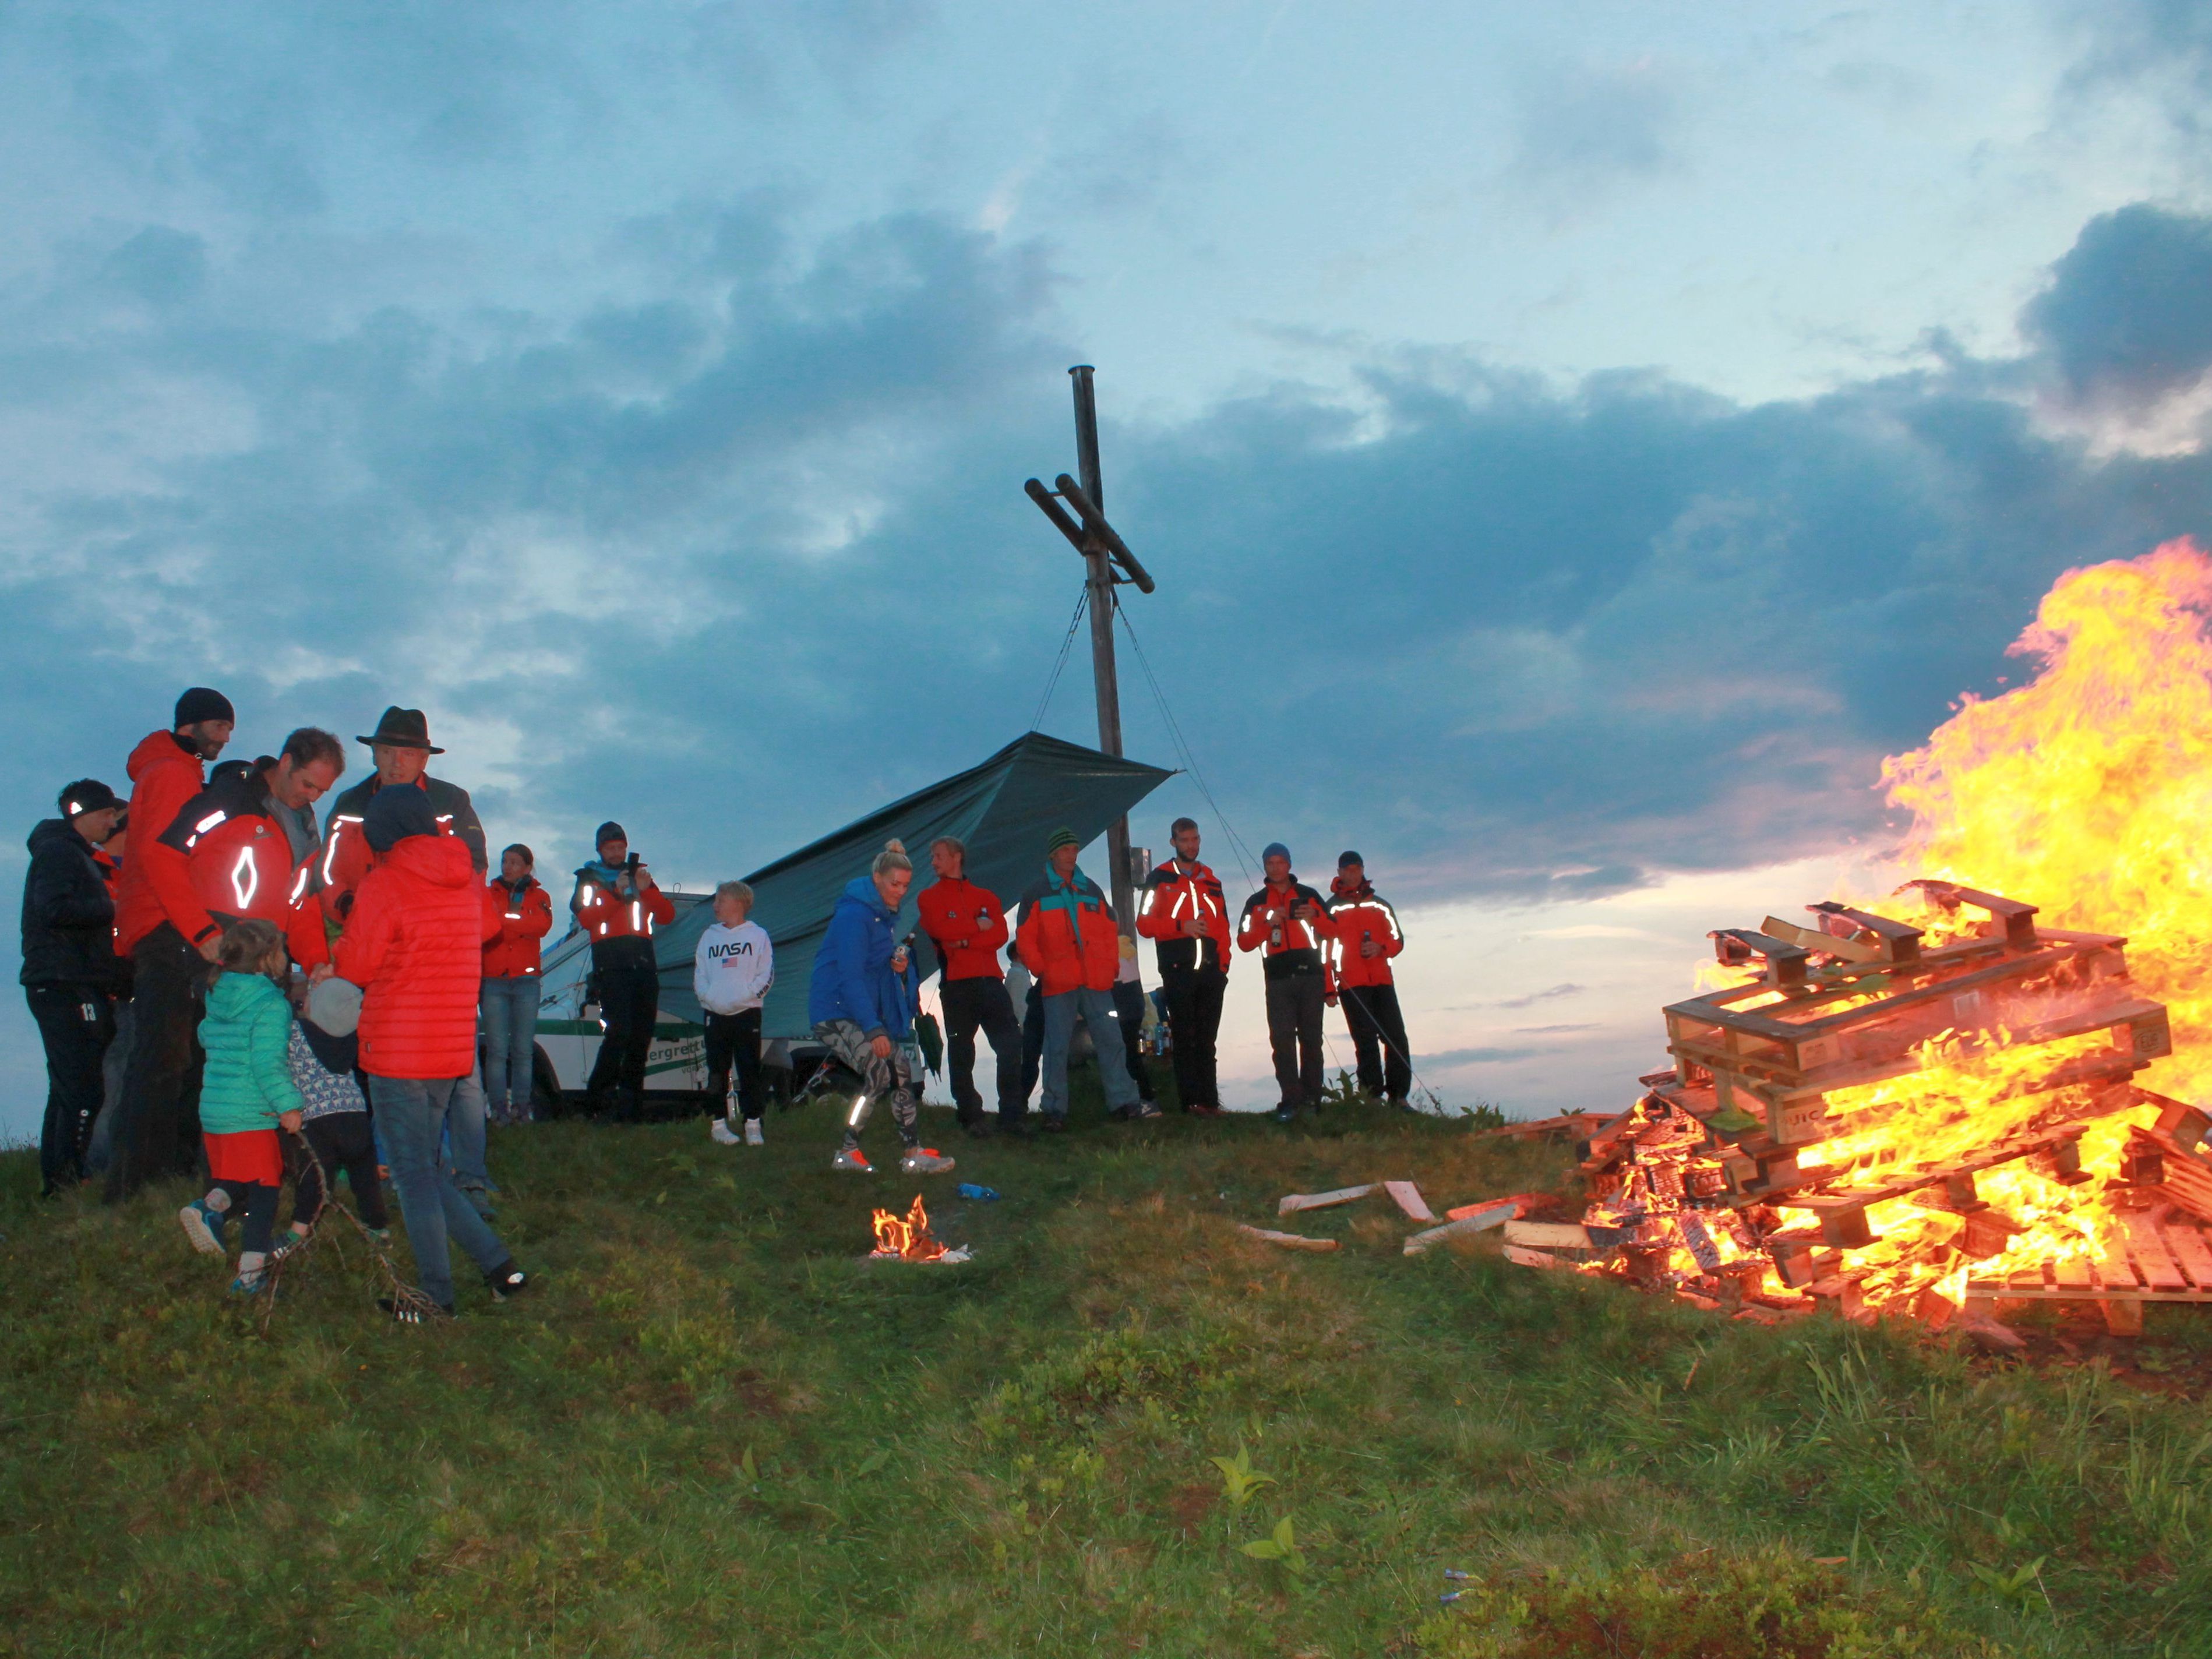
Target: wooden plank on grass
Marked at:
1523, 1258
1408, 1198
1287, 1240
2159, 1270
1465, 1226
2188, 1247
1297, 1201
1548, 1234
1522, 1203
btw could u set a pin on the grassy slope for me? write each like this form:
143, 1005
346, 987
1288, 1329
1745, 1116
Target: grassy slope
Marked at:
1012, 1457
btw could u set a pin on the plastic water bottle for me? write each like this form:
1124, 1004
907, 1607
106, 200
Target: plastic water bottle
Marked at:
969, 1189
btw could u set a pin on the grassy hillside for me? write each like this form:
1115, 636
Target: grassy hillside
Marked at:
717, 1430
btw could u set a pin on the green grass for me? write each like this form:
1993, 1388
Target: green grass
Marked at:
715, 1430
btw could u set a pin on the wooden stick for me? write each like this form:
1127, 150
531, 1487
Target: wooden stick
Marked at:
1521, 1258
1460, 1226
1522, 1203
1287, 1240
1408, 1199
1297, 1201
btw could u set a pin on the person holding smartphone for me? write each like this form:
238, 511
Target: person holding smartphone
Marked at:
617, 903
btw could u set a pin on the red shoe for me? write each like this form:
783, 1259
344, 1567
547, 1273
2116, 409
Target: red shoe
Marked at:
848, 1158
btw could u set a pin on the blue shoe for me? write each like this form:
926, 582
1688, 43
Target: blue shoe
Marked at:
1287, 1115
203, 1227
249, 1284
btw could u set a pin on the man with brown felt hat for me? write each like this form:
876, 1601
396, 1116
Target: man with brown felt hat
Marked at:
401, 747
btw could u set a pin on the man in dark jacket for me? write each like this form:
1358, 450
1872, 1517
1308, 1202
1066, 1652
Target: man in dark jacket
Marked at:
70, 972
401, 747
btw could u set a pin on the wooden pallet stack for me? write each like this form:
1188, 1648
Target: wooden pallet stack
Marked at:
1699, 1188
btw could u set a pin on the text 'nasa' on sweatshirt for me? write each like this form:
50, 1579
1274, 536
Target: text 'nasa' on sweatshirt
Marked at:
732, 968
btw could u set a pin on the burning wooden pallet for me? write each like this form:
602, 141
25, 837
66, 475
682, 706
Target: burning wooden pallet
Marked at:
1863, 1071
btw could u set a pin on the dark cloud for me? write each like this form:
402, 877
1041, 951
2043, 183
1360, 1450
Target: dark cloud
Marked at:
1549, 994
2127, 318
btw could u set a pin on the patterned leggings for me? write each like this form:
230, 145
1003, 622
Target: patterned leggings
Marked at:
880, 1075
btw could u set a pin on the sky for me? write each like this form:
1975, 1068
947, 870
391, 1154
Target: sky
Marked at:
1574, 444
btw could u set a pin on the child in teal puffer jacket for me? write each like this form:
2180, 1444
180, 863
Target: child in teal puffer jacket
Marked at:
245, 1093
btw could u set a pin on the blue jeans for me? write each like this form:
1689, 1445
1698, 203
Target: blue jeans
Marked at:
1097, 1008
464, 1134
510, 1032
411, 1116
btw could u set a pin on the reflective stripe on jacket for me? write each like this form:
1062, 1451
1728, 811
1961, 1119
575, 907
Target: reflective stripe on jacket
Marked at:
1171, 895
1358, 917
523, 920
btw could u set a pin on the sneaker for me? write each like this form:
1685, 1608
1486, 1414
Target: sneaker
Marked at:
506, 1280
1056, 1123
1206, 1109
753, 1136
287, 1241
1285, 1115
1017, 1129
251, 1283
382, 1235
924, 1160
848, 1158
1143, 1108
979, 1130
719, 1130
411, 1314
203, 1227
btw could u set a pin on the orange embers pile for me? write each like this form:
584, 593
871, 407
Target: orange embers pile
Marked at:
907, 1238
1992, 1139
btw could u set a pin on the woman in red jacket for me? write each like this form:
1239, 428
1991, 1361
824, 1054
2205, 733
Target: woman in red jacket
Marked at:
524, 913
414, 943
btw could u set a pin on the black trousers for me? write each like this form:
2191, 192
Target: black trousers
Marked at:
981, 1004
1378, 1037
734, 1038
1130, 1012
1294, 1006
629, 1002
1194, 1026
75, 1022
341, 1141
157, 1130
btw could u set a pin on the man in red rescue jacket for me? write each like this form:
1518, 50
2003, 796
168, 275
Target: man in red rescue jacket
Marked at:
168, 936
1184, 913
1366, 937
1067, 939
414, 943
239, 861
617, 905
401, 748
1289, 922
968, 926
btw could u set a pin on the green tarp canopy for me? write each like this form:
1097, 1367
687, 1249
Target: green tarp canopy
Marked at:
1003, 809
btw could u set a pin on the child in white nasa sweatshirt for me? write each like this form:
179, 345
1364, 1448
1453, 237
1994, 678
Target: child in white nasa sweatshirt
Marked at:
730, 973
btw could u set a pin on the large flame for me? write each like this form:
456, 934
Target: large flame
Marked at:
2087, 792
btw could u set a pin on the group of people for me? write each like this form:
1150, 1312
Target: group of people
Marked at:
1317, 952
208, 966
249, 973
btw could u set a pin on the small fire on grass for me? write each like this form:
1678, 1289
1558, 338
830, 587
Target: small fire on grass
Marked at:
908, 1237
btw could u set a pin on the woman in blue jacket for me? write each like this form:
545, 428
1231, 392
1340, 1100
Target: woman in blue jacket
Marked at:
861, 1003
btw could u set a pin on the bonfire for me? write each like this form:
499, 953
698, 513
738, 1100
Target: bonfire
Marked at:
1978, 1087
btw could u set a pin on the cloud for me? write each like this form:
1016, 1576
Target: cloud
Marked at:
1450, 1058
2126, 320
1582, 130
1550, 994
2164, 46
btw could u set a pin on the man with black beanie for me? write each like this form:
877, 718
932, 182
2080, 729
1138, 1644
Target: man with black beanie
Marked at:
167, 933
617, 903
72, 975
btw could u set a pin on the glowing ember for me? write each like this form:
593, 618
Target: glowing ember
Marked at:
1913, 1097
908, 1238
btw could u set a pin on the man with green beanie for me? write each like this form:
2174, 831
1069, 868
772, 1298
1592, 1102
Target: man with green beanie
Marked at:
1067, 939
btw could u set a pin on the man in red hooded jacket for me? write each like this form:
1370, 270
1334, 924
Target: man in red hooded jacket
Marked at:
168, 936
414, 943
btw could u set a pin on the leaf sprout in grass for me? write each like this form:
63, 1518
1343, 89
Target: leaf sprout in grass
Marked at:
1239, 1480
1282, 1546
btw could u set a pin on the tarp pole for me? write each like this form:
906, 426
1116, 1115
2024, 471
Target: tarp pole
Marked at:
1106, 682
